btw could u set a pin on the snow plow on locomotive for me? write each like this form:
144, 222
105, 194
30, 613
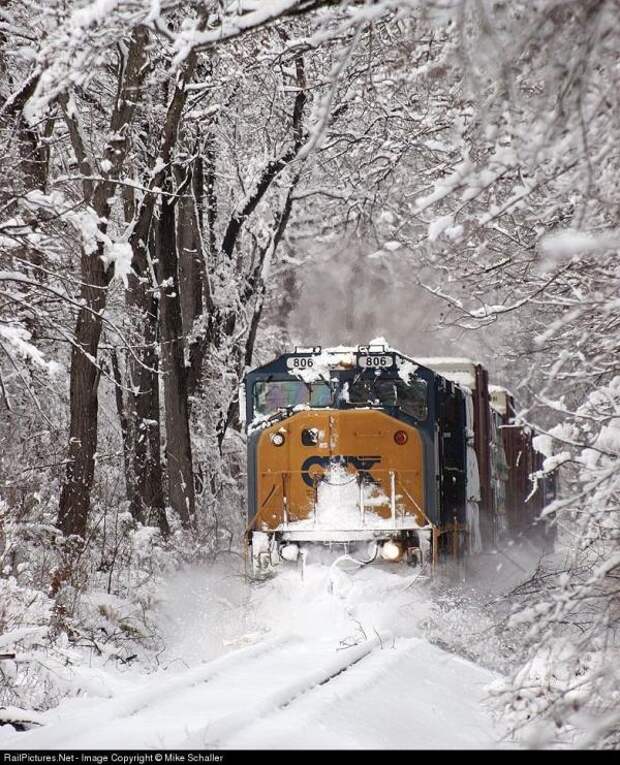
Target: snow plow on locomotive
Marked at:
381, 456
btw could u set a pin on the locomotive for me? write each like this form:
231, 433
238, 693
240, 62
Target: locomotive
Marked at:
384, 456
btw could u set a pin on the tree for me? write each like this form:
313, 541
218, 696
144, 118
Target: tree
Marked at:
524, 219
171, 177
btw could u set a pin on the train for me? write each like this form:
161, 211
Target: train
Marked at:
385, 458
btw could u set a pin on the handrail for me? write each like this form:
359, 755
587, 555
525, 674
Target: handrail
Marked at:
284, 500
417, 507
394, 477
273, 492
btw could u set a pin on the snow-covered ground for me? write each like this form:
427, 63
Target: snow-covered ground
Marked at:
346, 658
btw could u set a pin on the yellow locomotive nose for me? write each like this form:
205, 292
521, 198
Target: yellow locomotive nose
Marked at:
377, 458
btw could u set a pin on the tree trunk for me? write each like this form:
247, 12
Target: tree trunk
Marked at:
74, 507
147, 499
191, 266
178, 444
75, 494
145, 409
203, 304
32, 152
124, 422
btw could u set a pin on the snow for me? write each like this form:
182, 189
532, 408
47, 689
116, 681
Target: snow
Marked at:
18, 339
143, 538
380, 341
392, 246
85, 221
472, 520
552, 463
120, 255
16, 715
499, 399
338, 507
446, 185
159, 165
364, 708
544, 444
407, 371
487, 310
438, 226
9, 639
609, 436
454, 232
609, 565
232, 26
472, 507
338, 659
259, 698
565, 244
459, 370
154, 13
93, 13
321, 364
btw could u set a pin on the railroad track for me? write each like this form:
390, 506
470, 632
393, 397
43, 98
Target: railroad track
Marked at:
202, 706
217, 730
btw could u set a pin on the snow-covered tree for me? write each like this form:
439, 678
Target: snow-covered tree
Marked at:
175, 175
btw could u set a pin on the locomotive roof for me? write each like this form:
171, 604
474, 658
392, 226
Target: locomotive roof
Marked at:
501, 399
339, 356
461, 371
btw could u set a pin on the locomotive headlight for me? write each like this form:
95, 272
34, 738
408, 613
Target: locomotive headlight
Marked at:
391, 550
277, 439
401, 437
289, 552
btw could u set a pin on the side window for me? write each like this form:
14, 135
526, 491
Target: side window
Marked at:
412, 398
272, 396
360, 393
320, 394
385, 392
371, 392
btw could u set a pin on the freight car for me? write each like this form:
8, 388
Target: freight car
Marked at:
383, 455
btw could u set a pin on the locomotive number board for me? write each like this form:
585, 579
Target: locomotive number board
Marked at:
300, 362
375, 361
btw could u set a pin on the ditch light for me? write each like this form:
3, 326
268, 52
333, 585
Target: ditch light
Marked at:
391, 550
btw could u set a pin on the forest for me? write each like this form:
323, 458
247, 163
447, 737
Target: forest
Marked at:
190, 188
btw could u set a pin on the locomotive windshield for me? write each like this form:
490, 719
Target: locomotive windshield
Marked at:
271, 396
379, 393
287, 394
411, 398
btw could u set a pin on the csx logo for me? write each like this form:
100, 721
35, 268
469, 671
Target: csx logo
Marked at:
363, 466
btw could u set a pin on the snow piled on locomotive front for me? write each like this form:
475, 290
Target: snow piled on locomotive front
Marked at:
338, 505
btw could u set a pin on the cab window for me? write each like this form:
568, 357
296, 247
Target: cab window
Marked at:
372, 393
412, 398
271, 396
